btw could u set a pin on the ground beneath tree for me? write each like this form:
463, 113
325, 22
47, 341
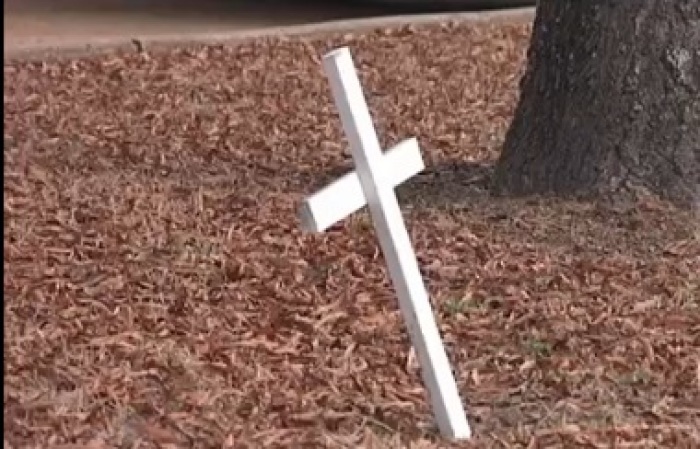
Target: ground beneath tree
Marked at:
159, 291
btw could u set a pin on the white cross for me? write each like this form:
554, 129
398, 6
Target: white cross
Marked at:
373, 183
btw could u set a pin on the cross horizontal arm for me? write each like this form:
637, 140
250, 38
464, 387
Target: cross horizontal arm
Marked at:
345, 196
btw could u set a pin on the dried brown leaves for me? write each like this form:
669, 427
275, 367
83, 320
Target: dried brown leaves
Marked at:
159, 293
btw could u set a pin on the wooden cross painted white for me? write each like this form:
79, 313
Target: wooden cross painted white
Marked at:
373, 183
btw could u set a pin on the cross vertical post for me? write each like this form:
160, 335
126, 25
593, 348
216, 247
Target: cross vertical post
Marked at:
377, 180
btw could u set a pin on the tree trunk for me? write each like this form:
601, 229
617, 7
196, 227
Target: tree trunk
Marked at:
610, 98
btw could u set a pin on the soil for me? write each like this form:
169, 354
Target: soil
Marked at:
159, 292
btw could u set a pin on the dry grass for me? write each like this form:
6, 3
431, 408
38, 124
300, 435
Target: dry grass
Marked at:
158, 291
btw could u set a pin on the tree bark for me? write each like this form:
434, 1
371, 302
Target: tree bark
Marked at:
610, 98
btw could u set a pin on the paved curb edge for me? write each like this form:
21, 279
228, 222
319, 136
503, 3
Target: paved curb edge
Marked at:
97, 45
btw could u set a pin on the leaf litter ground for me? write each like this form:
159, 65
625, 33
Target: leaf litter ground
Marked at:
159, 292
